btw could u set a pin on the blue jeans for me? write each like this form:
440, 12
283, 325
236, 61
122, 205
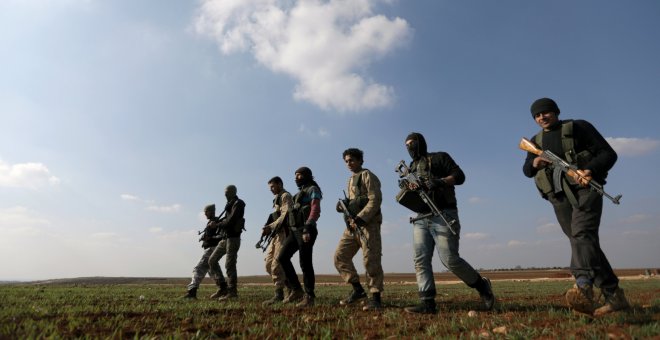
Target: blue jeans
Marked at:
432, 232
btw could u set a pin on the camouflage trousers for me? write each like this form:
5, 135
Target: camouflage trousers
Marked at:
273, 267
203, 267
228, 247
371, 257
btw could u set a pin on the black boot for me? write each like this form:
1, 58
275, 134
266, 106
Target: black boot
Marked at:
374, 303
485, 290
356, 294
191, 294
424, 307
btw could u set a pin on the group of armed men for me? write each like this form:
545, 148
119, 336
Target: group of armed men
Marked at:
427, 188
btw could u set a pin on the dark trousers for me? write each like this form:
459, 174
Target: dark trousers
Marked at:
293, 243
580, 223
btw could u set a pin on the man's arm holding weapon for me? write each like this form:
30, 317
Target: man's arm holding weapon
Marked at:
211, 230
412, 182
350, 220
267, 233
582, 177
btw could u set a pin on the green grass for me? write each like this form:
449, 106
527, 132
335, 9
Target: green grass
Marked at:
525, 310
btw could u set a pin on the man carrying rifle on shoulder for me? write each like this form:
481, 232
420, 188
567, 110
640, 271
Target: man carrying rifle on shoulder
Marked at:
437, 174
363, 220
578, 207
282, 205
210, 240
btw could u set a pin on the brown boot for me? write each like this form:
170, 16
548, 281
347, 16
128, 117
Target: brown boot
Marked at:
296, 295
232, 293
222, 291
581, 299
307, 301
279, 297
613, 302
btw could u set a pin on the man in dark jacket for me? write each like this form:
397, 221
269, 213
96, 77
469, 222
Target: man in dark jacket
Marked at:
578, 209
439, 174
209, 242
232, 225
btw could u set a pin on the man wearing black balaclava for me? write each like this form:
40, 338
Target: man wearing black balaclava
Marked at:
302, 221
439, 174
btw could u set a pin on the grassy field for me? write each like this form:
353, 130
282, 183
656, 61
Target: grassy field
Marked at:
525, 309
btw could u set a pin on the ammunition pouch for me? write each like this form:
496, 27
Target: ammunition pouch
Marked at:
357, 204
412, 200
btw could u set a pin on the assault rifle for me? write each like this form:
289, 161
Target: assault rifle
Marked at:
349, 219
266, 238
213, 233
407, 179
559, 165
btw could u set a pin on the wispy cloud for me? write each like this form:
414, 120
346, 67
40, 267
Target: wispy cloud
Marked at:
320, 132
151, 204
165, 208
476, 236
324, 45
636, 218
548, 228
26, 175
475, 200
129, 197
633, 146
155, 230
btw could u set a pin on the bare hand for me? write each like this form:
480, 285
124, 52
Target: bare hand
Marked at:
540, 162
582, 177
412, 186
306, 237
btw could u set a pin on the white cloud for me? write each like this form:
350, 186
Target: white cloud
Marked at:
637, 218
129, 197
20, 222
324, 45
104, 235
26, 175
155, 230
165, 208
516, 243
320, 132
476, 236
475, 200
548, 228
633, 146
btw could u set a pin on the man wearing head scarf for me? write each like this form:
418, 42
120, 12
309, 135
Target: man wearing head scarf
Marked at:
439, 173
232, 225
577, 207
302, 221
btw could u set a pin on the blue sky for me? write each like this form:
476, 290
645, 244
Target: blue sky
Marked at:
121, 120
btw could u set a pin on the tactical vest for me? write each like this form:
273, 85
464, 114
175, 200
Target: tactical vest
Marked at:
543, 177
302, 206
424, 171
360, 199
277, 206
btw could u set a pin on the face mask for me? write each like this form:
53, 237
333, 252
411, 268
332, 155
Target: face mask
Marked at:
413, 149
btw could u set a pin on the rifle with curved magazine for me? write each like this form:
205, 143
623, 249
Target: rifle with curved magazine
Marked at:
561, 165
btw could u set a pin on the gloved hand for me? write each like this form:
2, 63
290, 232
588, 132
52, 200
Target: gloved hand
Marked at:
435, 183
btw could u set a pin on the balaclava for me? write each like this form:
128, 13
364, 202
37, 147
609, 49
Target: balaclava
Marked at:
417, 148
